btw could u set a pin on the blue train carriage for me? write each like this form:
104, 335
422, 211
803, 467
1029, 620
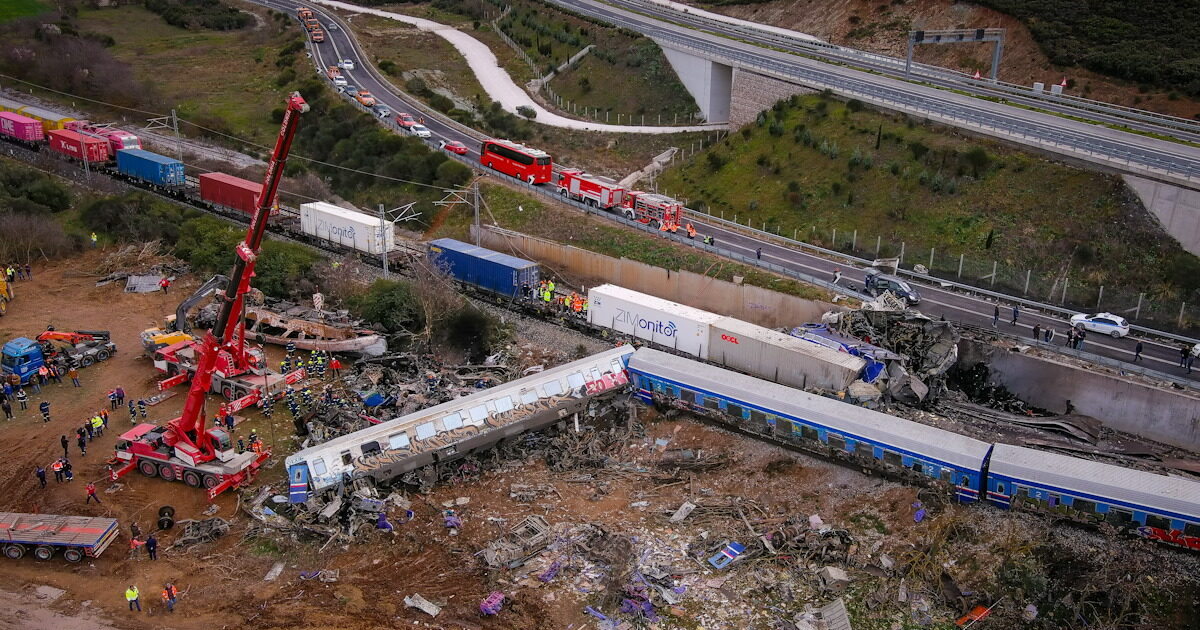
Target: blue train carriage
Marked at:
482, 267
457, 428
146, 166
909, 450
1161, 508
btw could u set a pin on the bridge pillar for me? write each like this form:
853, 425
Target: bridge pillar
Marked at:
709, 82
1177, 209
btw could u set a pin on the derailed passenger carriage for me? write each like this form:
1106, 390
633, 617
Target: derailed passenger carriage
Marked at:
846, 432
457, 428
1161, 508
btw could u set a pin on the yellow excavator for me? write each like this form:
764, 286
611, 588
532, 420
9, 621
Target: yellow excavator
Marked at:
6, 295
176, 328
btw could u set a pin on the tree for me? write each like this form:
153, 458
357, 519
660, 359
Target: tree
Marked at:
391, 304
527, 111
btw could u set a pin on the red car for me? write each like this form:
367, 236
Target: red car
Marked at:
453, 146
405, 120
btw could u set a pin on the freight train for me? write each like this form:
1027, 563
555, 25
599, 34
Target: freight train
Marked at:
1156, 507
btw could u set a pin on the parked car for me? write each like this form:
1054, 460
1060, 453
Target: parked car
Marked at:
383, 111
453, 146
405, 120
1114, 326
365, 99
420, 131
876, 283
346, 64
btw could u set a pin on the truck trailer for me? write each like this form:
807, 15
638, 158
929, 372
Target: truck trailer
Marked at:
78, 537
482, 267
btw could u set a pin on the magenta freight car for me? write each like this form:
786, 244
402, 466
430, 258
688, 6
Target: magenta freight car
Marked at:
21, 127
74, 145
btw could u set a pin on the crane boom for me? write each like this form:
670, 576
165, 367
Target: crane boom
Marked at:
189, 426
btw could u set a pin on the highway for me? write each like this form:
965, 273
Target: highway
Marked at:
955, 306
796, 43
1119, 150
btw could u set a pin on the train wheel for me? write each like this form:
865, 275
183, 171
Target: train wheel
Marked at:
148, 468
210, 482
167, 510
73, 555
43, 552
102, 355
14, 551
191, 478
166, 472
166, 522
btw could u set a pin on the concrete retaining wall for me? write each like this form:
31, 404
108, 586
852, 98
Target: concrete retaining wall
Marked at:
1177, 209
1166, 415
748, 303
753, 93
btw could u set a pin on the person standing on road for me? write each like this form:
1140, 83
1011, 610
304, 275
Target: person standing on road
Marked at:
1183, 355
65, 443
131, 594
23, 398
758, 254
1049, 334
82, 442
91, 492
1080, 335
1188, 362
57, 469
74, 376
1037, 332
7, 407
141, 404
837, 275
1137, 351
152, 547
1016, 314
169, 594
40, 471
44, 407
996, 316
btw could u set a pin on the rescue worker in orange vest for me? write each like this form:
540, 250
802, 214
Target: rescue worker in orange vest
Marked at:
169, 594
577, 304
664, 225
691, 231
57, 468
674, 227
257, 446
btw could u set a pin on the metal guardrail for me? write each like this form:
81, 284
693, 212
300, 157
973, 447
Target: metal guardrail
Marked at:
763, 235
967, 81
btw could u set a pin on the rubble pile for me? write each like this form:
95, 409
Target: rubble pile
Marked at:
139, 259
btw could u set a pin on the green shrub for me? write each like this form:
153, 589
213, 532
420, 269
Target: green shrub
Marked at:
391, 304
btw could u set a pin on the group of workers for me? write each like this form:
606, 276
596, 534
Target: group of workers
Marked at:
169, 596
546, 294
15, 271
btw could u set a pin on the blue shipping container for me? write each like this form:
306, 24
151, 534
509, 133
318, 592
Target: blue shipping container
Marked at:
152, 167
482, 267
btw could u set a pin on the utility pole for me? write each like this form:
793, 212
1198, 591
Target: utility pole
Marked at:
178, 140
477, 228
383, 226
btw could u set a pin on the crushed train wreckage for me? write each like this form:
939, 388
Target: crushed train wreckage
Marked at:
281, 323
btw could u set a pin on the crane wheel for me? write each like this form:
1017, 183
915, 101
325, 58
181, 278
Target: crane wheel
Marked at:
191, 478
73, 555
14, 551
148, 468
166, 522
166, 471
227, 393
43, 552
166, 510
210, 482
102, 355
86, 360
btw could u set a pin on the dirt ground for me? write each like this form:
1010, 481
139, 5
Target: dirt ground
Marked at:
222, 583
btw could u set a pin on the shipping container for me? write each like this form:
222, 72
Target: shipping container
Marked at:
159, 170
73, 144
676, 326
780, 357
50, 120
355, 230
482, 267
231, 192
21, 127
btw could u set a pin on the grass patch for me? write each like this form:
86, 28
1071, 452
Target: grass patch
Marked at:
813, 165
219, 79
517, 211
13, 9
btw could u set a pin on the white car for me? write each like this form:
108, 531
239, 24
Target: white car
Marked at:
1104, 323
420, 131
331, 27
346, 64
339, 81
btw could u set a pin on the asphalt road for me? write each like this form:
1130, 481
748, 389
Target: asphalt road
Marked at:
955, 306
1119, 150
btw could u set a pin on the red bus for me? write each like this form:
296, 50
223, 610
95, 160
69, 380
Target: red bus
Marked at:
517, 160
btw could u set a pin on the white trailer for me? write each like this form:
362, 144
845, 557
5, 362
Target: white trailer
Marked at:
358, 231
656, 320
779, 357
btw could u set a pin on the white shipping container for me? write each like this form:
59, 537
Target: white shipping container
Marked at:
780, 357
663, 322
361, 232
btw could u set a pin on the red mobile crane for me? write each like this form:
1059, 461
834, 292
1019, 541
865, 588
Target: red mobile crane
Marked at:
184, 449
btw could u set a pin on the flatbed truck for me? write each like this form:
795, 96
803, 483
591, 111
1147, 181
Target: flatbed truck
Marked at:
78, 537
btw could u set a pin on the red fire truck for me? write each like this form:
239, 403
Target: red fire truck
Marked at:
593, 190
517, 160
653, 208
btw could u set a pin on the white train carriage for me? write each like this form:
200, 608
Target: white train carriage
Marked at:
843, 430
1166, 509
456, 428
